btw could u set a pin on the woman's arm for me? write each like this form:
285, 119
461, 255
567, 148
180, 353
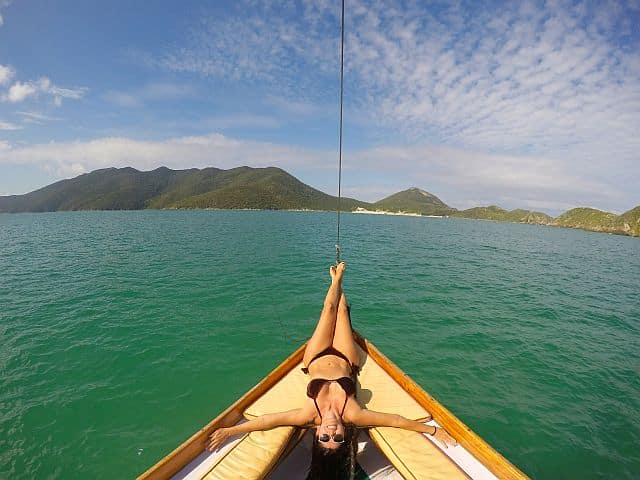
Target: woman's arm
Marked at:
369, 418
263, 422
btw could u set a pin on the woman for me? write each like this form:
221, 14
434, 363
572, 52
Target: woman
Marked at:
331, 361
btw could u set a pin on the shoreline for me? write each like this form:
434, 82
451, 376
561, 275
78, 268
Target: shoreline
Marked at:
355, 212
364, 211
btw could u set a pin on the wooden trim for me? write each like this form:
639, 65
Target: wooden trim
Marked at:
475, 445
181, 456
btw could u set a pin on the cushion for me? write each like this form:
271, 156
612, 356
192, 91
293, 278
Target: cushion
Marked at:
253, 456
414, 456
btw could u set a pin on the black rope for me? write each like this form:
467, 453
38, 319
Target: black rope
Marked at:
340, 150
284, 330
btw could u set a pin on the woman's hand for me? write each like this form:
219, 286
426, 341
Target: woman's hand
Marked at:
444, 438
217, 438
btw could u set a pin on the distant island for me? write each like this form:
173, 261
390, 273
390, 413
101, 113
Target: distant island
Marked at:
270, 188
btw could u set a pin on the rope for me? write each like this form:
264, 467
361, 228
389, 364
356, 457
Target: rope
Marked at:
283, 330
340, 149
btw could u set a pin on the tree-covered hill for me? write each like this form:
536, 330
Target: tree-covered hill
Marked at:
584, 218
598, 221
269, 188
493, 212
130, 189
414, 200
631, 221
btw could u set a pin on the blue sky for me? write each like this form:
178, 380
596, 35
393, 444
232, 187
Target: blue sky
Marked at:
521, 104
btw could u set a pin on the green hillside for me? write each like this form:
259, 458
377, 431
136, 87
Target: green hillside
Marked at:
584, 218
414, 200
269, 189
130, 189
631, 222
598, 221
493, 212
107, 189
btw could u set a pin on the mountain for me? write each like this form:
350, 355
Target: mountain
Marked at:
414, 200
244, 187
130, 189
107, 189
493, 212
631, 221
584, 218
269, 188
598, 221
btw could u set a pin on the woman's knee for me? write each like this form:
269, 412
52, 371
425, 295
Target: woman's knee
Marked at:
330, 307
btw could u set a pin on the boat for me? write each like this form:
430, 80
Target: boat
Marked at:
383, 452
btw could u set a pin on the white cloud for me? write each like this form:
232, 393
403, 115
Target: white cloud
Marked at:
44, 84
9, 126
464, 178
267, 45
459, 177
20, 91
152, 92
36, 117
59, 93
3, 4
535, 79
6, 74
180, 152
73, 93
544, 80
528, 103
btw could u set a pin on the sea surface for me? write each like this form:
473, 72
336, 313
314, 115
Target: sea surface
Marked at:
122, 333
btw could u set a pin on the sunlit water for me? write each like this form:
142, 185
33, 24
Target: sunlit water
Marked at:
122, 333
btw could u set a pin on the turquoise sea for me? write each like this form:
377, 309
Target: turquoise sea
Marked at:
122, 333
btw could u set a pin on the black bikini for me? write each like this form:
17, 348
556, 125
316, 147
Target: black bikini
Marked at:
347, 384
355, 369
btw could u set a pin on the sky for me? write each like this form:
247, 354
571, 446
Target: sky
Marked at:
522, 104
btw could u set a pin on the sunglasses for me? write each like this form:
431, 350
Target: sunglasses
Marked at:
337, 437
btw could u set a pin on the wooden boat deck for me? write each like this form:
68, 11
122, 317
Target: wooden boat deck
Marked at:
284, 452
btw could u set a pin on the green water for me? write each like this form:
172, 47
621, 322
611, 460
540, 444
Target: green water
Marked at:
122, 333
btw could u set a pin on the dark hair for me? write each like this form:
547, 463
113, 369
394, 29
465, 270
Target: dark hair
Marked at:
334, 464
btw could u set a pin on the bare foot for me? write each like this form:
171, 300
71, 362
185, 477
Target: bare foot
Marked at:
337, 272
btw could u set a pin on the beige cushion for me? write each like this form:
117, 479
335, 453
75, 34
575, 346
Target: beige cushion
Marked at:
288, 394
253, 456
376, 391
414, 456
379, 392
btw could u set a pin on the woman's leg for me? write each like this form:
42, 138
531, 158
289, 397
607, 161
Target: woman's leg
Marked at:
323, 334
343, 336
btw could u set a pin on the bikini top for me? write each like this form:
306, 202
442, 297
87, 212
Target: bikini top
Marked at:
346, 383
